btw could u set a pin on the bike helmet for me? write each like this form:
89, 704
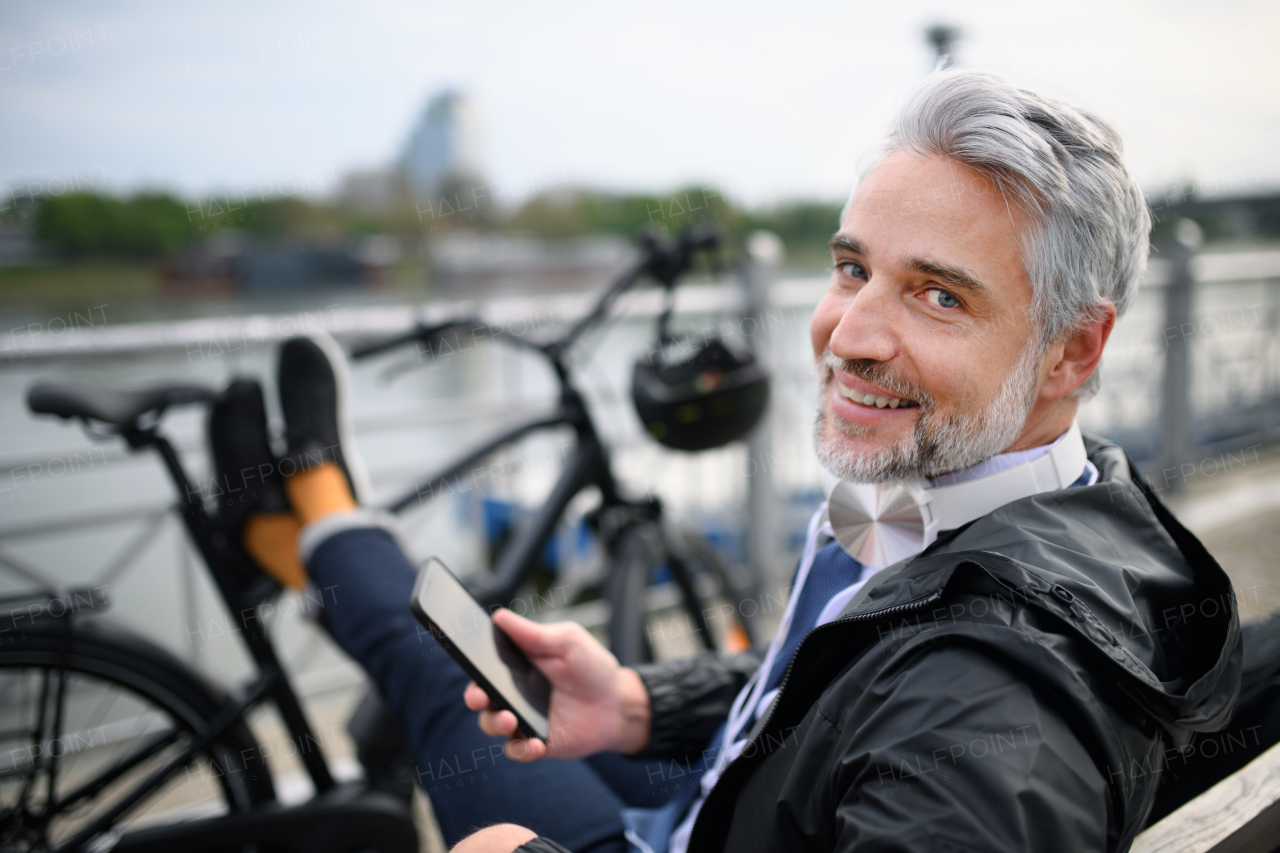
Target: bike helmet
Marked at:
706, 400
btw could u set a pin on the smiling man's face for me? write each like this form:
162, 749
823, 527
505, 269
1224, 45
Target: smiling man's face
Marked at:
927, 355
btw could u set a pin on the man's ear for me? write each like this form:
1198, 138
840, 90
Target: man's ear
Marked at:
1079, 352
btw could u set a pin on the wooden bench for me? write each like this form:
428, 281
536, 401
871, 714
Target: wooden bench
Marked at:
1240, 814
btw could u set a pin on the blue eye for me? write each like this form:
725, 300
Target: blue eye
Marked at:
943, 298
852, 269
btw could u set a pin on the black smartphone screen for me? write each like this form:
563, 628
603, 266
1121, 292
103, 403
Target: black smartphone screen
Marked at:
466, 631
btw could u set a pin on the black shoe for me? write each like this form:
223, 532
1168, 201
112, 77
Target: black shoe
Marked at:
245, 474
312, 382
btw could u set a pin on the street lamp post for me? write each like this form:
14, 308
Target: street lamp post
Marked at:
943, 38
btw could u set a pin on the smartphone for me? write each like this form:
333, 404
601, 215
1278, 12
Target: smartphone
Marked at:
466, 631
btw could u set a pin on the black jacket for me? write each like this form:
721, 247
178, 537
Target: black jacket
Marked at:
1021, 685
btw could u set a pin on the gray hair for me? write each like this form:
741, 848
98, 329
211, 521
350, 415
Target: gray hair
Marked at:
1061, 165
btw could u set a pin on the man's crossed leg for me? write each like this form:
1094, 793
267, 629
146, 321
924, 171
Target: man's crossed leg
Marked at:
312, 513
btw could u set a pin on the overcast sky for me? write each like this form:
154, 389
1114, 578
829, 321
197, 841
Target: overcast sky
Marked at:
764, 100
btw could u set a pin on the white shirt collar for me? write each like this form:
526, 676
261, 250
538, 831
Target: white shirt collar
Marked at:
995, 464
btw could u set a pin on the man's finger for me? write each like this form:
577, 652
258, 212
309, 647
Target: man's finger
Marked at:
488, 725
525, 749
498, 723
475, 697
533, 638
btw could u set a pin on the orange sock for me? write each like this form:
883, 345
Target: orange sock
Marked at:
320, 492
271, 538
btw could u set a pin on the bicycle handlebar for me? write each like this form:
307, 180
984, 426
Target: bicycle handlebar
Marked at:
430, 335
662, 259
377, 347
420, 333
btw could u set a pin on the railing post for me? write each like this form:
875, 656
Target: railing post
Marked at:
1176, 442
765, 253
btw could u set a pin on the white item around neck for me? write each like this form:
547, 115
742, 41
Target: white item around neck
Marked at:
882, 523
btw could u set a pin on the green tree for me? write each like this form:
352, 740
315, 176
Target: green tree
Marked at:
565, 213
804, 226
83, 224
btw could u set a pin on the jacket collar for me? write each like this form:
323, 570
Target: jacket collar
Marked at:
1118, 569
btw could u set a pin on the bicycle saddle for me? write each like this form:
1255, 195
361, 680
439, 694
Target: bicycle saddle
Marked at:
114, 406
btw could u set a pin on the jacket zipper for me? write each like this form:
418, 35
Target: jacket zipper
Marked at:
786, 676
855, 617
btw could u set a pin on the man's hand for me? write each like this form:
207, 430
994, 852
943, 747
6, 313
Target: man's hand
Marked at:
597, 705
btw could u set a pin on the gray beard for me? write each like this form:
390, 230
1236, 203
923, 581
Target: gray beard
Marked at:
940, 443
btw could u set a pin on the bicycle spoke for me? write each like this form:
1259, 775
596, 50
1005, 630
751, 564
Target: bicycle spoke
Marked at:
13, 686
121, 767
105, 704
60, 709
15, 770
100, 713
14, 734
223, 720
38, 732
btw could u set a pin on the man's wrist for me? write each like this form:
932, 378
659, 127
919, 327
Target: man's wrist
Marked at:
635, 713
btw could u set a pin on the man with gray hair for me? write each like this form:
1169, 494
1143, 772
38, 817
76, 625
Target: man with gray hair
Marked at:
998, 638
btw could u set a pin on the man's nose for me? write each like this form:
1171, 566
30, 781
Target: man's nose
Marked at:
869, 327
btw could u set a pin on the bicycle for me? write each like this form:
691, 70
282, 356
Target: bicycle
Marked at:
116, 736
638, 542
111, 724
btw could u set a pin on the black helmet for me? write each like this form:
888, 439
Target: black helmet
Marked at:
707, 400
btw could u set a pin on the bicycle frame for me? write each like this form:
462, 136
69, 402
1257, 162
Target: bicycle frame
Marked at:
589, 463
243, 601
229, 570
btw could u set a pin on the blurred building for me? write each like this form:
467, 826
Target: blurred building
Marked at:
444, 146
18, 244
371, 191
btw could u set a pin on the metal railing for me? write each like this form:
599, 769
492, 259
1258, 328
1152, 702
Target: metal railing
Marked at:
77, 512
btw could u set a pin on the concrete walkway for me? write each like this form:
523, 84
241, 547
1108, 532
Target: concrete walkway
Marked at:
1235, 510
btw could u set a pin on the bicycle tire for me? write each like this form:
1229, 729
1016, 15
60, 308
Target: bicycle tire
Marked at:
118, 674
719, 591
707, 602
635, 554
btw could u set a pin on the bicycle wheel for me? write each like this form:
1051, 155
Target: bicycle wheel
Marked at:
697, 609
715, 597
635, 555
88, 713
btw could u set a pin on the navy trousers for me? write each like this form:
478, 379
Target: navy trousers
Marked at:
367, 581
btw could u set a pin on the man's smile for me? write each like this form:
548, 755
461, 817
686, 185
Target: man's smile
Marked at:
867, 395
854, 401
